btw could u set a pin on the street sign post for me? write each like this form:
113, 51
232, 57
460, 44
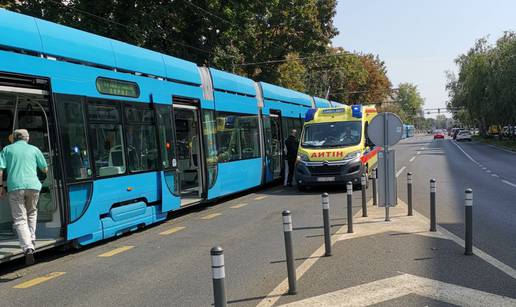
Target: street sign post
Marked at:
385, 130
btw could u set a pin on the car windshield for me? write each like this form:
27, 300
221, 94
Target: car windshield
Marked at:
335, 134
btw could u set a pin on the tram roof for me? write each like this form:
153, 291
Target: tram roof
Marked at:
40, 36
278, 93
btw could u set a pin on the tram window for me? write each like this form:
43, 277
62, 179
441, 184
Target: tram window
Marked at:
103, 112
73, 134
166, 136
108, 149
210, 147
237, 137
142, 148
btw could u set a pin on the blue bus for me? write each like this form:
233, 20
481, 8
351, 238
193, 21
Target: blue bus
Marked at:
131, 134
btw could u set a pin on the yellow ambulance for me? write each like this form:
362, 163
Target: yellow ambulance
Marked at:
334, 147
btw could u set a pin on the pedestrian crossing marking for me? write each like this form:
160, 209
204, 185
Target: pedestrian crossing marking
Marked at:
210, 216
172, 230
116, 251
260, 197
38, 280
239, 206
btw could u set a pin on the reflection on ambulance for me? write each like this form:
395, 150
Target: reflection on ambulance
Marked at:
334, 147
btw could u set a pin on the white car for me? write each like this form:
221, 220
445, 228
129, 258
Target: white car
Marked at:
463, 135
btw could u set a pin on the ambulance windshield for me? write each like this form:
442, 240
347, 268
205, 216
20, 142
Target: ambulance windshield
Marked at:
335, 134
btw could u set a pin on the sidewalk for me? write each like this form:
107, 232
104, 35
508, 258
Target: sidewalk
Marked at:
397, 263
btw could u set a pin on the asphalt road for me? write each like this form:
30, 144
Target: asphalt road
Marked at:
489, 171
169, 264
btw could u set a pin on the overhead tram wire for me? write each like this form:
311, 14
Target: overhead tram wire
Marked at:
208, 12
128, 27
237, 27
222, 19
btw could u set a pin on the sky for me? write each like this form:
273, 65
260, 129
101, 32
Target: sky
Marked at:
419, 39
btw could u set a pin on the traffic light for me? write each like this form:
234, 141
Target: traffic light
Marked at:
438, 111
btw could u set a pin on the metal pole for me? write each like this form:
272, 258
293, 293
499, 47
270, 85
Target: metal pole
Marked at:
325, 201
432, 205
291, 269
409, 193
364, 200
350, 206
218, 273
468, 240
375, 194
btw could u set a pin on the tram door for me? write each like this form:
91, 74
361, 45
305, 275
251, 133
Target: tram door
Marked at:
189, 153
276, 146
22, 108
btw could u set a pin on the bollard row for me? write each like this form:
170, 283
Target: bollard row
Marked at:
350, 206
433, 227
409, 193
364, 199
218, 276
325, 201
468, 206
289, 252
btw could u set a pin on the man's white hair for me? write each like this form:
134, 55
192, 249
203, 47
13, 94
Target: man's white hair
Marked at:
21, 134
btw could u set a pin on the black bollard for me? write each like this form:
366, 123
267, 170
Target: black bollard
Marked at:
432, 205
364, 198
325, 201
291, 269
468, 206
219, 275
409, 193
350, 206
375, 195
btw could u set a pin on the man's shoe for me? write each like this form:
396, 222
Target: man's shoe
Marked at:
29, 256
290, 184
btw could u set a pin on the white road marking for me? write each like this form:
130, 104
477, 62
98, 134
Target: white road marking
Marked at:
465, 153
503, 149
412, 159
509, 183
282, 288
422, 148
488, 171
495, 175
401, 223
395, 287
419, 152
400, 171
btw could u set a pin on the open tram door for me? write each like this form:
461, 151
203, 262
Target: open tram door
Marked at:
25, 104
191, 168
276, 146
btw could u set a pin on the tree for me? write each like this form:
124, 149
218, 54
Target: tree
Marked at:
377, 86
291, 74
409, 101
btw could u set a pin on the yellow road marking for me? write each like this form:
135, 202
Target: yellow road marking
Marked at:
116, 251
260, 197
239, 206
172, 230
39, 280
210, 216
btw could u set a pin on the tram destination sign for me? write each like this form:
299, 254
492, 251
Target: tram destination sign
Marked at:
117, 87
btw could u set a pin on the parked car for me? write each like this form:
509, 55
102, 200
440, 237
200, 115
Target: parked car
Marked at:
463, 135
438, 134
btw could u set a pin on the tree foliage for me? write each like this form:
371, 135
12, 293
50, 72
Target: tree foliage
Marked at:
410, 102
483, 90
291, 74
262, 40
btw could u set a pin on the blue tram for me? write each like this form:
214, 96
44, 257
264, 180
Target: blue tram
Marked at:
131, 134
